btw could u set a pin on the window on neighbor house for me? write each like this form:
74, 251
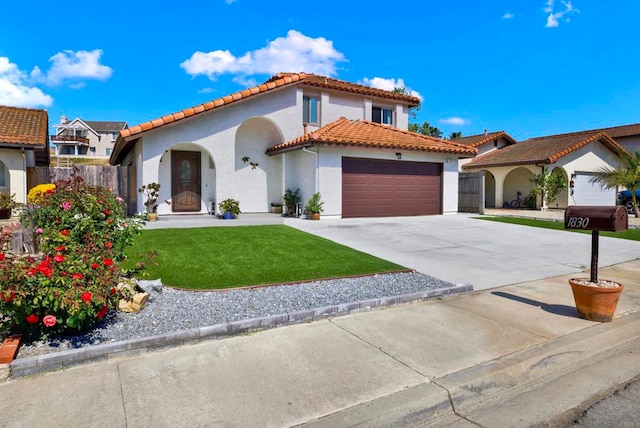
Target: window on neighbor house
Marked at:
3, 175
108, 152
310, 109
382, 115
92, 150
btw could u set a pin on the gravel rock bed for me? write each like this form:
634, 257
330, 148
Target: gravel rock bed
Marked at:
175, 310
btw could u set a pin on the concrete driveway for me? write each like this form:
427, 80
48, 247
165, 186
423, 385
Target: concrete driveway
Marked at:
463, 250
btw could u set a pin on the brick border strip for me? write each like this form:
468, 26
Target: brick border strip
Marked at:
65, 359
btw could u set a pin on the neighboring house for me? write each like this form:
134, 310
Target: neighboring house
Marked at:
86, 137
578, 155
24, 142
299, 131
484, 143
628, 136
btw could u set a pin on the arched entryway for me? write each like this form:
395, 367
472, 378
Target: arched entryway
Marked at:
518, 180
258, 177
489, 190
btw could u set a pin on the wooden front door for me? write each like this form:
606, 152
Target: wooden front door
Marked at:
185, 181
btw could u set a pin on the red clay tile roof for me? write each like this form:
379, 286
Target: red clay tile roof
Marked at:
361, 133
280, 80
619, 131
340, 85
24, 126
478, 140
543, 150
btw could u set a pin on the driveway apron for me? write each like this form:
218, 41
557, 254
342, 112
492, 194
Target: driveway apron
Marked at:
462, 249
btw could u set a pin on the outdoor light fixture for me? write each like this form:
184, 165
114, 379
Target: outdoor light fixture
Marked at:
399, 155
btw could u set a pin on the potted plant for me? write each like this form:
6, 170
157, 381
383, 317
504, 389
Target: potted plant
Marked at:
276, 208
7, 204
291, 200
314, 206
596, 300
229, 208
151, 192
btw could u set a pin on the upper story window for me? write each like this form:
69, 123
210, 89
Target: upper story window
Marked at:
382, 115
310, 106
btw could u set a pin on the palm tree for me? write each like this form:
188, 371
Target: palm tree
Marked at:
455, 135
628, 175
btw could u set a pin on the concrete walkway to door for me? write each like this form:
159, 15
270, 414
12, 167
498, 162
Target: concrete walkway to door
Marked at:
462, 249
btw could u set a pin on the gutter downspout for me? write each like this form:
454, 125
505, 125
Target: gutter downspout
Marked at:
25, 184
304, 149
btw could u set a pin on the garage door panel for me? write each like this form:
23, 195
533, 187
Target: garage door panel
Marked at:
587, 193
375, 188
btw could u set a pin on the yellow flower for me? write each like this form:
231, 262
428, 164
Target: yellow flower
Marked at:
36, 194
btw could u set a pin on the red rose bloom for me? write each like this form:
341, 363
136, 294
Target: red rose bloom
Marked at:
109, 221
113, 290
58, 258
47, 271
86, 296
94, 265
102, 312
107, 212
65, 232
7, 297
33, 318
49, 191
1, 257
107, 262
49, 320
108, 244
77, 276
60, 248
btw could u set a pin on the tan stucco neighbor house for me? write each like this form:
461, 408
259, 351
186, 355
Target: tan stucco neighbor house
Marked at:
79, 137
24, 142
509, 169
296, 131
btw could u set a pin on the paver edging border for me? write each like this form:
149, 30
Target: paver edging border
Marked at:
64, 359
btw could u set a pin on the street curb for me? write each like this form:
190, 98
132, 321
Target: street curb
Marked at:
579, 369
65, 359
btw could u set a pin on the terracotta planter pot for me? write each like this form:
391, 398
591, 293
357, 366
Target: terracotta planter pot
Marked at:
5, 213
153, 216
315, 216
595, 303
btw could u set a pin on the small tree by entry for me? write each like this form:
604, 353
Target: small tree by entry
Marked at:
549, 184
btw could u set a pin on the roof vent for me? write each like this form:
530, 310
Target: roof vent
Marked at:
486, 132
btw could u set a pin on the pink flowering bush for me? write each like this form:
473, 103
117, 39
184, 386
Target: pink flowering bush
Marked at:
82, 232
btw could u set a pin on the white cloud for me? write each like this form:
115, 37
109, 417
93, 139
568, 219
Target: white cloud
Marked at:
229, 1
80, 65
206, 90
508, 15
16, 89
388, 85
295, 53
553, 20
454, 121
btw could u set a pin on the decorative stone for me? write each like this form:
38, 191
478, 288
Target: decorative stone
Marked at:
153, 287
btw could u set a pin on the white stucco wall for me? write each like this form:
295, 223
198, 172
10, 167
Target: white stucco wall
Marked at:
14, 163
330, 175
631, 143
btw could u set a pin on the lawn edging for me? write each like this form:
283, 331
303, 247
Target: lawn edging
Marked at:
65, 359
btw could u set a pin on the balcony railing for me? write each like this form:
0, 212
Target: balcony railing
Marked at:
70, 139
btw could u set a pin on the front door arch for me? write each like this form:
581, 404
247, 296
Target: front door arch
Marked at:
185, 181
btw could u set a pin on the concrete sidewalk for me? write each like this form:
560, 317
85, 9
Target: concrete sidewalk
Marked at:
512, 356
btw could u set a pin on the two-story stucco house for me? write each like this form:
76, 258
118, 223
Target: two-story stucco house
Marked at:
24, 142
298, 131
80, 137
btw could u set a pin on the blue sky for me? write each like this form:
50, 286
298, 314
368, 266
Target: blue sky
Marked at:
529, 67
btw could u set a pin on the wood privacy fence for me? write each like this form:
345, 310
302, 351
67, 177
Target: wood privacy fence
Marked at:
120, 179
471, 192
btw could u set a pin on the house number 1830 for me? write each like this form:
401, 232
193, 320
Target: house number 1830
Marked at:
578, 222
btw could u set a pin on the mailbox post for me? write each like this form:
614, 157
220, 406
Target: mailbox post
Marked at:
609, 219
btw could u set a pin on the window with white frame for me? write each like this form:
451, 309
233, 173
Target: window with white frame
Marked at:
310, 106
382, 115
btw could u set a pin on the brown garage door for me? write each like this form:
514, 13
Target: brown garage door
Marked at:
380, 188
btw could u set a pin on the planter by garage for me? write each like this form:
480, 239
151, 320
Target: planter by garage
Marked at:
314, 216
596, 301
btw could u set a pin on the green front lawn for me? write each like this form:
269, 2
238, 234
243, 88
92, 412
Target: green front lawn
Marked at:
224, 257
632, 234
